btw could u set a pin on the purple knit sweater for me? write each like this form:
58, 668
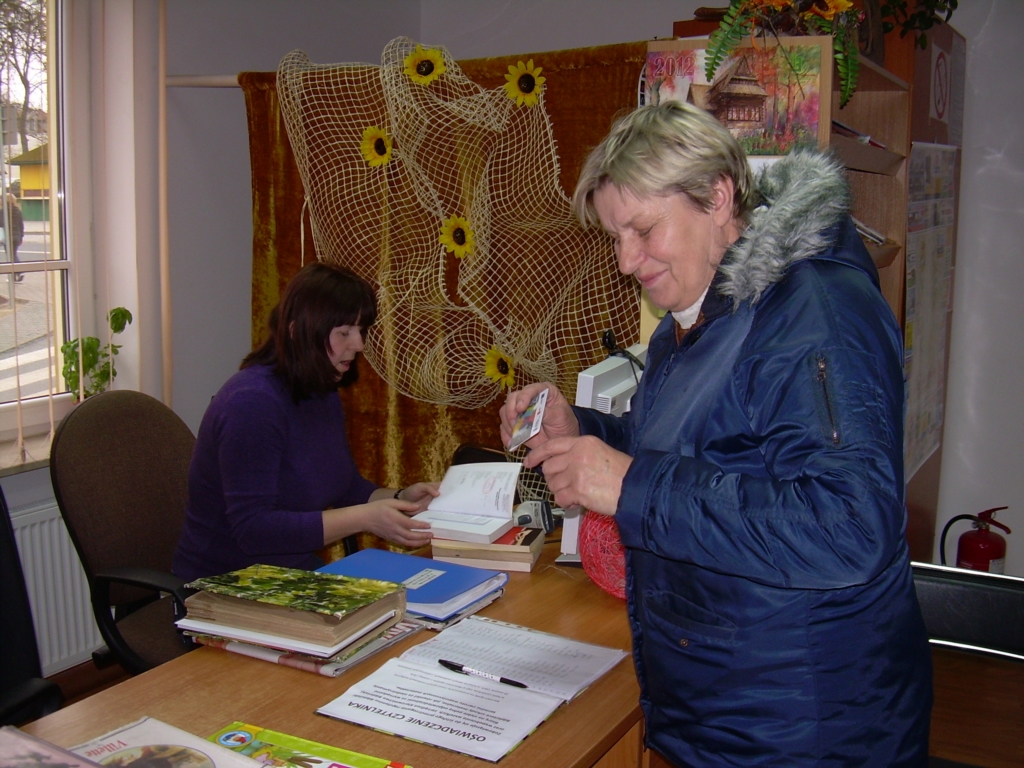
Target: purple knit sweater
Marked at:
263, 470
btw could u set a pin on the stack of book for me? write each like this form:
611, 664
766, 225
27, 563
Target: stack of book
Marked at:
515, 550
295, 617
439, 594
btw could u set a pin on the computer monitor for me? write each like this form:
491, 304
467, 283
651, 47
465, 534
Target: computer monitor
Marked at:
608, 387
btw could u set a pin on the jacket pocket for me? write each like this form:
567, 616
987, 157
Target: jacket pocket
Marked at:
687, 622
827, 403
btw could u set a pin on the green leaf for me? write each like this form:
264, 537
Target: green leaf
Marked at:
735, 25
119, 318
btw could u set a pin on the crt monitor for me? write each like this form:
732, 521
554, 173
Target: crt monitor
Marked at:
609, 385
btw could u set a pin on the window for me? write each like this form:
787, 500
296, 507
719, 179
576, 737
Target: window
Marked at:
33, 264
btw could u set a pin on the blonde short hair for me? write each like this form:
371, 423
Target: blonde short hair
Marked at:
666, 149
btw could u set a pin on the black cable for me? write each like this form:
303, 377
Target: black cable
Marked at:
614, 350
945, 530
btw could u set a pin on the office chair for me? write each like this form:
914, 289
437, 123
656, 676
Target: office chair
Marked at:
972, 611
24, 693
119, 466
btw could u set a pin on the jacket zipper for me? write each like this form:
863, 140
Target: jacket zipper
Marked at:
822, 377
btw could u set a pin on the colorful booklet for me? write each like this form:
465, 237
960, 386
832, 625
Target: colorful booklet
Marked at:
278, 750
331, 667
292, 609
479, 687
19, 750
149, 742
435, 591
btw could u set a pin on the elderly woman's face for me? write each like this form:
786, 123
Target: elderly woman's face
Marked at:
666, 242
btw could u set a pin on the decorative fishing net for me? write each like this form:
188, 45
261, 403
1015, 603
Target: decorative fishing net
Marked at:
445, 196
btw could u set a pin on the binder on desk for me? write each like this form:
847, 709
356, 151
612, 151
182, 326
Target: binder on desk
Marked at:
435, 590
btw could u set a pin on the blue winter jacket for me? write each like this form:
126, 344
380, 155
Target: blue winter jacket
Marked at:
770, 594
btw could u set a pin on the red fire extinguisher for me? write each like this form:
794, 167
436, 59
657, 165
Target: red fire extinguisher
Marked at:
979, 549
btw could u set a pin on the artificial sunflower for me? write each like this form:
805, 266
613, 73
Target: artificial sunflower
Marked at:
424, 65
524, 83
457, 236
376, 146
827, 9
499, 369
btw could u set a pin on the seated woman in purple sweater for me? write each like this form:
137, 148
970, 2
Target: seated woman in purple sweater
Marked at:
272, 479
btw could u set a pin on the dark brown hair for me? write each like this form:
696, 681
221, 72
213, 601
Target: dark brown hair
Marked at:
317, 300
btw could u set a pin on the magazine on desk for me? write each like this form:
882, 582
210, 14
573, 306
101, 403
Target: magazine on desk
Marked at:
328, 667
148, 742
512, 678
475, 502
20, 750
274, 749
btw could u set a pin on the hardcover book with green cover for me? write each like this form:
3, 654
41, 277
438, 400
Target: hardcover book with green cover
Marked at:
279, 749
309, 606
314, 591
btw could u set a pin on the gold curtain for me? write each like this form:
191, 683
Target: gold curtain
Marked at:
397, 440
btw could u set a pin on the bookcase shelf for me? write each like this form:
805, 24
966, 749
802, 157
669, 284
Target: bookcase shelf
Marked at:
863, 157
880, 108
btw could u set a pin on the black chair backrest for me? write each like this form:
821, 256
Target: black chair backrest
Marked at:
19, 654
975, 611
119, 466
471, 453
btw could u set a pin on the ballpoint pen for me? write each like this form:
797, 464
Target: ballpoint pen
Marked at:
462, 668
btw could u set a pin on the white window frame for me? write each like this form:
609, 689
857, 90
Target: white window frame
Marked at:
108, 126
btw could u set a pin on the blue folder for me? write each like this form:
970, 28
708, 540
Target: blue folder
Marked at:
435, 590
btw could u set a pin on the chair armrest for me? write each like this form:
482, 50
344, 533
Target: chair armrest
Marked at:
147, 578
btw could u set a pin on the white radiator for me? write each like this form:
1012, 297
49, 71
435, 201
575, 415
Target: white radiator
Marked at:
57, 588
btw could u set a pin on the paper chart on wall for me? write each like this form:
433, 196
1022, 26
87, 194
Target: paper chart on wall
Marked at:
931, 219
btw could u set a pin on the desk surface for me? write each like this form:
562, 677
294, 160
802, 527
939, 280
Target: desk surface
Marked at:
207, 689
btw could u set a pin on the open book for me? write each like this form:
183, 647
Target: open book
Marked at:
475, 502
513, 678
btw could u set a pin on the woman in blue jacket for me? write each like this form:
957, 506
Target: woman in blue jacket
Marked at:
757, 482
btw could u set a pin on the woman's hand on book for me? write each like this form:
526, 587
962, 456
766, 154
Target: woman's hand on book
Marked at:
390, 519
559, 420
420, 494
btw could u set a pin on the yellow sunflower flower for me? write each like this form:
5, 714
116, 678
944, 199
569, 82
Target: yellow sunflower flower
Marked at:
524, 83
424, 65
376, 146
499, 369
827, 9
457, 236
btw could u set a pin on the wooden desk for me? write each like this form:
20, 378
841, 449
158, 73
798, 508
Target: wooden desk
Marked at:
207, 689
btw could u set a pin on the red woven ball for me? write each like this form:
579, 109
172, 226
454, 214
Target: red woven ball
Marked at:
602, 553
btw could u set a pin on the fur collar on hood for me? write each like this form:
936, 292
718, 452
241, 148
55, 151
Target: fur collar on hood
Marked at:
802, 197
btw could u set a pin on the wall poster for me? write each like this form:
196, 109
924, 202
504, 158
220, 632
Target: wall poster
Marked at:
931, 219
773, 98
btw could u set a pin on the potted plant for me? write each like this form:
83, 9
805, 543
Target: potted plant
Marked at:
89, 365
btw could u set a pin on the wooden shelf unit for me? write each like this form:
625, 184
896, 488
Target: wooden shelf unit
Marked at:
880, 108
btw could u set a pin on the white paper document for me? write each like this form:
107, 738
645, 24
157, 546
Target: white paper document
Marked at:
475, 502
431, 704
416, 697
546, 663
